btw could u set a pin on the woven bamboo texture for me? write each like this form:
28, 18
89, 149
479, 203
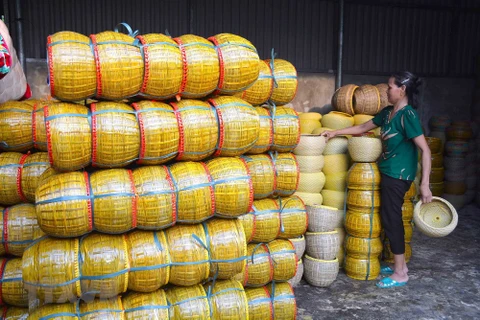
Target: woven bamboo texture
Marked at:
15, 313
287, 174
437, 189
266, 214
293, 217
335, 163
19, 229
388, 256
363, 224
248, 222
163, 66
382, 90
201, 68
435, 144
227, 300
310, 145
361, 268
72, 66
366, 100
233, 186
322, 218
286, 129
149, 260
300, 245
364, 176
239, 125
152, 305
364, 149
407, 210
239, 62
322, 245
363, 247
336, 145
320, 273
265, 132
310, 198
259, 268
336, 181
259, 304
342, 99
284, 259
199, 130
285, 77
262, 88
295, 281
335, 199
16, 126
311, 182
437, 160
50, 270
227, 243
283, 300
337, 120
263, 174
190, 261
12, 291
159, 132
435, 219
361, 199
310, 163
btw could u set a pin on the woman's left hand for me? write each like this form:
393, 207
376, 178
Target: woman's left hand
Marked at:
425, 193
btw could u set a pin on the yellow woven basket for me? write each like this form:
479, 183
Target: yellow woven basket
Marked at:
239, 126
407, 210
188, 301
69, 136
145, 305
286, 173
363, 247
366, 100
50, 270
364, 149
364, 176
388, 256
310, 163
382, 90
363, 199
284, 259
15, 126
333, 199
195, 193
283, 300
227, 300
198, 129
265, 132
311, 182
189, 254
285, 77
12, 291
337, 120
362, 268
336, 181
227, 243
335, 163
342, 99
15, 313
266, 216
248, 222
320, 273
239, 62
159, 132
163, 66
201, 68
293, 217
310, 198
259, 268
149, 261
259, 304
70, 53
262, 171
19, 228
363, 224
260, 91
310, 145
286, 129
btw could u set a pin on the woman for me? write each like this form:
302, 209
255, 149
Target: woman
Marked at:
401, 134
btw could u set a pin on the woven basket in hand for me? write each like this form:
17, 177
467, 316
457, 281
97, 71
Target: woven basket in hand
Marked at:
295, 281
19, 229
262, 171
366, 100
145, 305
259, 304
185, 301
320, 273
286, 82
286, 173
201, 69
149, 260
309, 164
227, 299
310, 145
337, 120
12, 292
362, 268
364, 176
16, 126
239, 62
188, 254
435, 219
435, 144
286, 129
363, 247
293, 217
335, 163
322, 218
238, 124
336, 181
266, 217
382, 90
163, 66
342, 99
337, 145
265, 132
364, 149
363, 224
72, 66
233, 188
283, 300
300, 245
259, 268
322, 245
284, 259
311, 182
335, 199
227, 243
261, 90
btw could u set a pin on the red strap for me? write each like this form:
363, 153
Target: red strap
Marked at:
181, 131
146, 62
2, 270
141, 125
134, 199
185, 67
49, 136
5, 229
174, 198
50, 66
222, 65
93, 107
19, 177
97, 65
221, 128
89, 201
212, 190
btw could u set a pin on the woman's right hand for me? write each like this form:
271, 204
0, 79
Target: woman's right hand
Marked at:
329, 135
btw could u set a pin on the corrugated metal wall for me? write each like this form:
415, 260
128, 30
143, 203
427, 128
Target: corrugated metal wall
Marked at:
428, 37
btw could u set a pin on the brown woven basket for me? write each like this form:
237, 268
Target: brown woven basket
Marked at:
239, 62
265, 132
15, 126
285, 78
366, 100
186, 301
227, 300
266, 216
286, 129
342, 99
145, 305
293, 217
283, 300
259, 304
260, 91
12, 291
382, 90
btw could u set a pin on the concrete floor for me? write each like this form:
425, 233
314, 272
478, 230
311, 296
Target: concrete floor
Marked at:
444, 283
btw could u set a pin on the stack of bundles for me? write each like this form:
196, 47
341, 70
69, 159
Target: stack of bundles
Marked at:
323, 245
107, 265
438, 172
363, 245
407, 217
114, 66
309, 154
362, 100
438, 125
457, 160
309, 122
20, 175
